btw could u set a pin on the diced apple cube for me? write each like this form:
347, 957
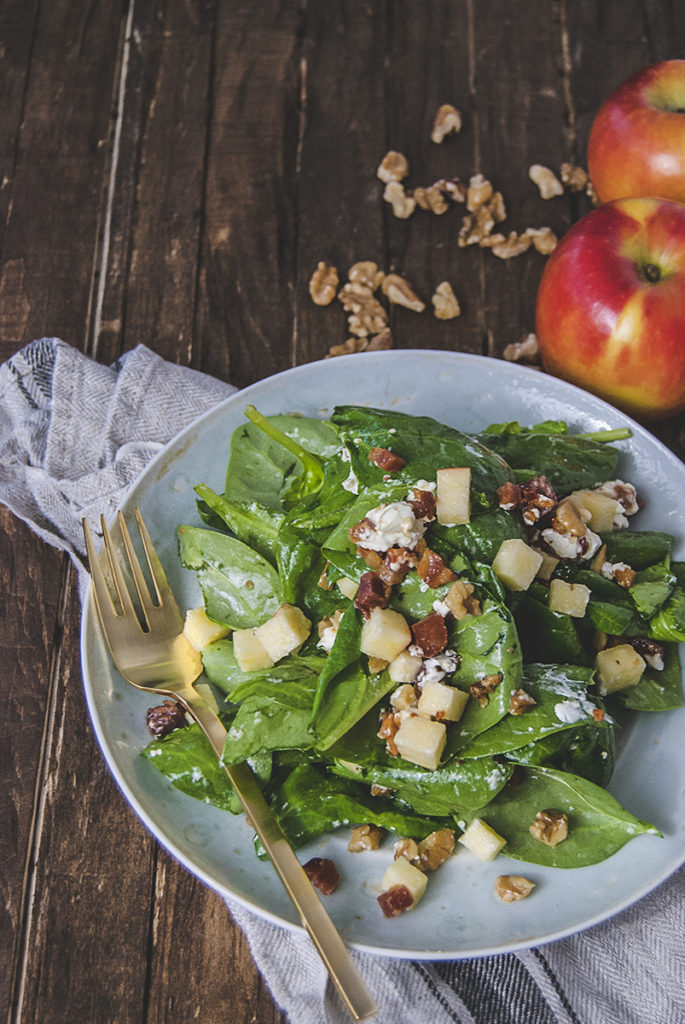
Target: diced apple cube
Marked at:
453, 496
286, 630
348, 588
404, 668
441, 701
402, 872
618, 668
569, 598
516, 564
421, 741
547, 566
601, 508
249, 651
482, 840
384, 634
199, 629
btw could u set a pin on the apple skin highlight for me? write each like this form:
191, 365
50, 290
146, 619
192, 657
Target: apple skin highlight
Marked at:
610, 313
637, 140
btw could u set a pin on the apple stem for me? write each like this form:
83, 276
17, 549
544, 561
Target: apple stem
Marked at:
604, 436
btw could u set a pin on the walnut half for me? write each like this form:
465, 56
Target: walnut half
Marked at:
550, 827
511, 888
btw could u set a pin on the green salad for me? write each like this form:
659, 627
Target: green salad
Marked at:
415, 629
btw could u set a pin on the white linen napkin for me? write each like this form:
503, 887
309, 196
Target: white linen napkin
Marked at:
73, 436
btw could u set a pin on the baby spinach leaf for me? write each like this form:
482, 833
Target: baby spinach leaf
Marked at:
546, 635
271, 718
480, 539
598, 825
590, 753
487, 645
569, 462
561, 702
651, 588
254, 524
223, 670
310, 803
240, 588
423, 443
455, 786
637, 548
187, 760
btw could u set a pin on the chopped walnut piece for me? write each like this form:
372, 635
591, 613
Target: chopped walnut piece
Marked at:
347, 347
445, 303
323, 874
365, 837
453, 188
482, 688
546, 181
403, 204
431, 198
400, 293
366, 272
430, 635
568, 519
388, 731
386, 460
574, 178
323, 284
379, 790
406, 848
435, 849
523, 351
396, 565
395, 901
381, 341
509, 495
480, 190
433, 570
447, 120
460, 601
393, 167
511, 888
537, 499
544, 240
476, 227
377, 665
373, 559
598, 714
513, 245
623, 575
520, 702
550, 827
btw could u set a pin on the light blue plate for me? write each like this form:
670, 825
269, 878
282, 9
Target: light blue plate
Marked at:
459, 916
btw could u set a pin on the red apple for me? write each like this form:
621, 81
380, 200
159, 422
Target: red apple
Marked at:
610, 313
637, 141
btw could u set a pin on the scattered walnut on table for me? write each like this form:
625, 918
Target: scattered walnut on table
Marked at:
544, 240
347, 347
381, 341
513, 245
393, 167
546, 180
476, 227
480, 190
399, 292
365, 837
445, 303
574, 178
366, 272
323, 284
511, 888
431, 198
403, 204
527, 350
447, 121
550, 827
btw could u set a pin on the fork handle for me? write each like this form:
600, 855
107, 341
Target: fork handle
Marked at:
314, 917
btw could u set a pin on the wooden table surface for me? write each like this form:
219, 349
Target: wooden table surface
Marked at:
171, 173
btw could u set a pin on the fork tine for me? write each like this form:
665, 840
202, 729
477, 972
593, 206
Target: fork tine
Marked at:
142, 589
103, 598
165, 594
117, 574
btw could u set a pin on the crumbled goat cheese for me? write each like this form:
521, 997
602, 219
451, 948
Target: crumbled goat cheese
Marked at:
623, 493
569, 711
327, 638
441, 608
609, 569
566, 545
435, 669
393, 525
351, 483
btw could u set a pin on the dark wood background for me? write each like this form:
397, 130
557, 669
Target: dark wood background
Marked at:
171, 172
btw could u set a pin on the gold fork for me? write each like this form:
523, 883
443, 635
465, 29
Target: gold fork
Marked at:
150, 651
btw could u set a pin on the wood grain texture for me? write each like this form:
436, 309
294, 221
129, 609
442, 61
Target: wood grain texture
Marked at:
171, 171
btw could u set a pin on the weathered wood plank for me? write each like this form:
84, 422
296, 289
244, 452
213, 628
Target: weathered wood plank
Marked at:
245, 311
